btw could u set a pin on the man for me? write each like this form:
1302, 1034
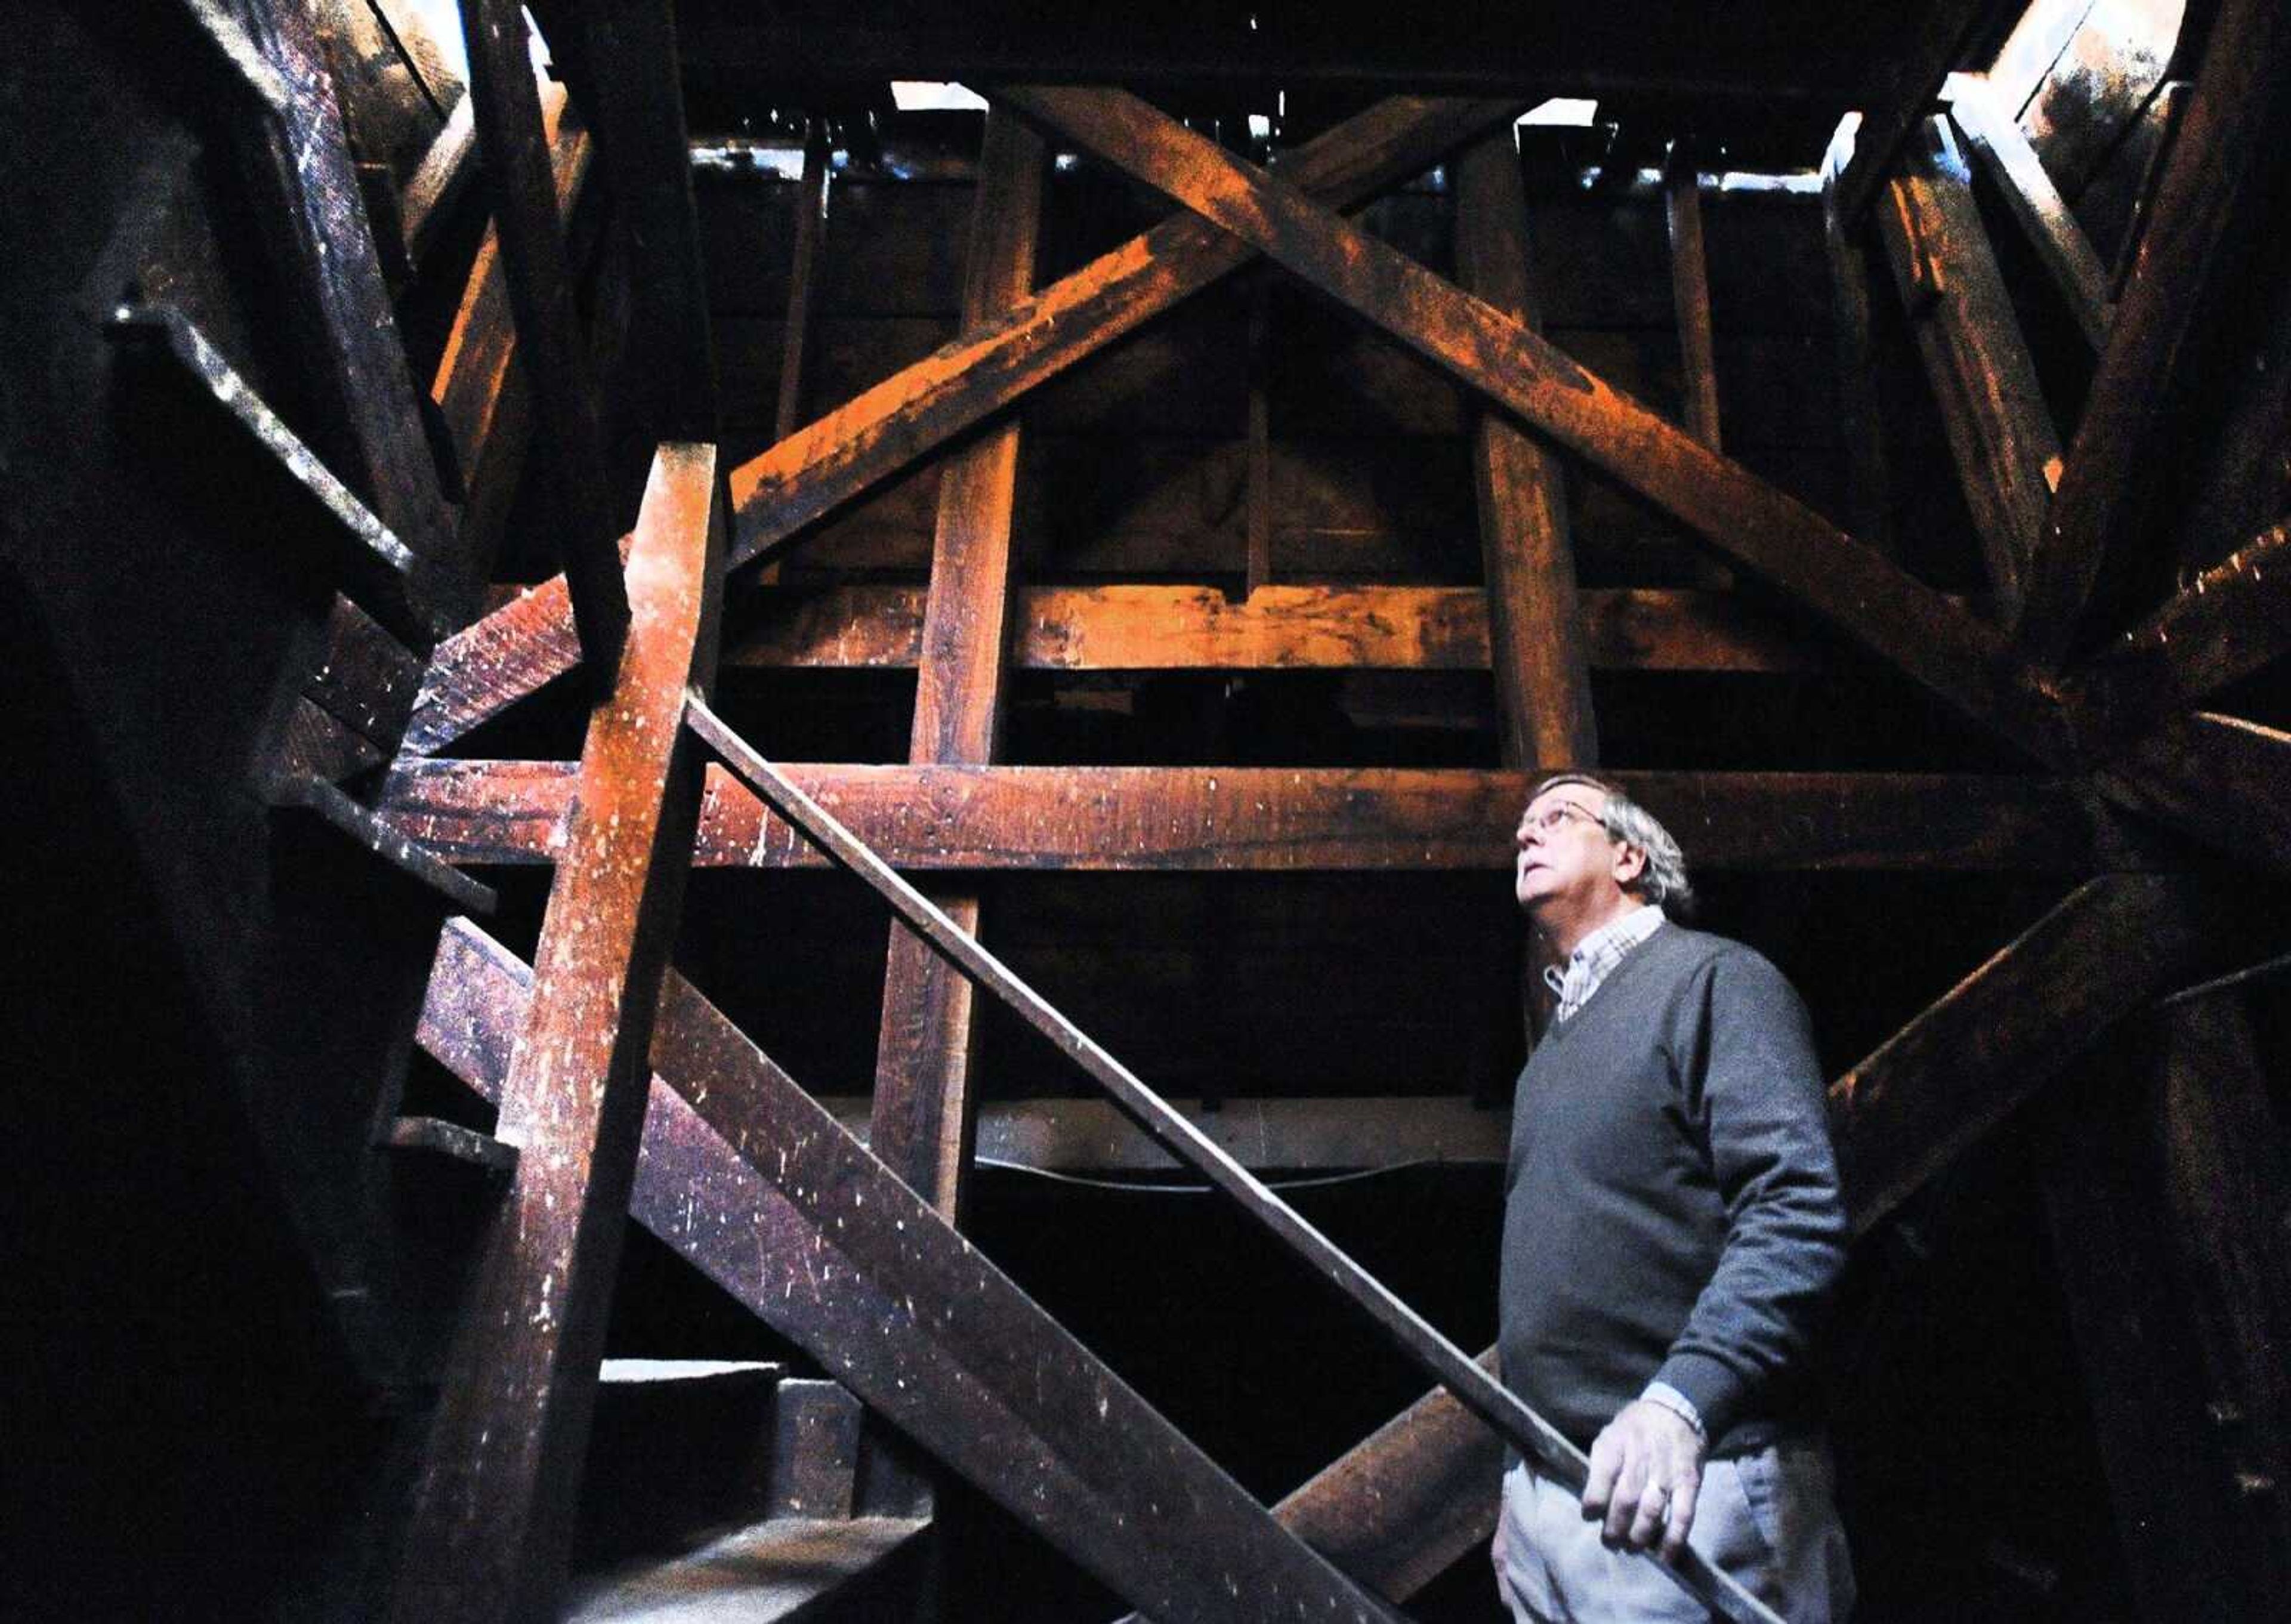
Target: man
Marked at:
1672, 1223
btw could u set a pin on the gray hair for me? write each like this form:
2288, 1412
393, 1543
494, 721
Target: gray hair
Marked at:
1663, 880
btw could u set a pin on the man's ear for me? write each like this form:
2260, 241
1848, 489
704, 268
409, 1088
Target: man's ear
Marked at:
1630, 864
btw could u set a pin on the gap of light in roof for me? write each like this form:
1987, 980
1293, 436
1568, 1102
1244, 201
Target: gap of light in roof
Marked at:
934, 96
1561, 112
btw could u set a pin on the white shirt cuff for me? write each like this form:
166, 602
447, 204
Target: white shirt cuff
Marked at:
1671, 1399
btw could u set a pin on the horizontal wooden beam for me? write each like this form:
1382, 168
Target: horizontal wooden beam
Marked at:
1143, 819
915, 411
755, 1185
1304, 628
1910, 626
1267, 1136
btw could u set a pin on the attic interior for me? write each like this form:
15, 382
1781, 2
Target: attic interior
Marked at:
1163, 487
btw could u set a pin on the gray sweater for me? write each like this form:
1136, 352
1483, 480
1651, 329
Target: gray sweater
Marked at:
1672, 1206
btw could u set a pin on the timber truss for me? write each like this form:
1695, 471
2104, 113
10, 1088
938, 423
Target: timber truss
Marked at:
621, 1091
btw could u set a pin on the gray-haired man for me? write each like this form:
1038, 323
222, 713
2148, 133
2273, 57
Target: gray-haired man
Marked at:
1672, 1223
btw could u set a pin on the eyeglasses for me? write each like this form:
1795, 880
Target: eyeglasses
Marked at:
1558, 814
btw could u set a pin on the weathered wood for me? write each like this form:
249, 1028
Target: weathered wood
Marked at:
492, 1513
1142, 819
866, 440
1767, 532
1868, 506
2218, 778
1690, 293
1405, 1331
428, 201
1908, 87
551, 353
315, 218
450, 1142
1534, 621
334, 809
413, 593
2232, 126
368, 677
2000, 430
1259, 498
630, 55
2009, 161
810, 202
1266, 1135
925, 1048
2005, 1031
757, 1186
1318, 628
2229, 621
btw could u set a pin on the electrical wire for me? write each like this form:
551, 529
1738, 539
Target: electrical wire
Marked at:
1142, 1187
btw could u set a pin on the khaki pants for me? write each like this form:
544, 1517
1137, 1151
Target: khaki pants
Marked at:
1769, 1520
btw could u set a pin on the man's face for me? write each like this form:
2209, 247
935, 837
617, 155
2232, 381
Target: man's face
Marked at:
1565, 854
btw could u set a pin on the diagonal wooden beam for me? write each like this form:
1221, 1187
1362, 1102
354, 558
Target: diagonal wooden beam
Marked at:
923, 1105
1327, 820
492, 1521
1904, 94
2000, 430
759, 1187
806, 476
1421, 1491
1910, 626
2006, 157
2218, 778
2233, 125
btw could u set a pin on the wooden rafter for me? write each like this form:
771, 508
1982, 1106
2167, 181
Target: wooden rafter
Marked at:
1331, 819
2218, 777
514, 651
1906, 93
757, 1186
1996, 140
1907, 624
493, 1516
1867, 501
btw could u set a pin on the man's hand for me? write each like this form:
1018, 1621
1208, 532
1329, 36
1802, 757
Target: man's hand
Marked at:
1646, 1468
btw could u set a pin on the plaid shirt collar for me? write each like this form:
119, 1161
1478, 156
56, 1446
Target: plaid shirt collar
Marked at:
1598, 954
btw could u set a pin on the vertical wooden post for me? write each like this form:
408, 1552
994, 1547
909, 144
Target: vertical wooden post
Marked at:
493, 1514
1535, 627
1868, 508
1690, 291
795, 331
922, 1105
1259, 499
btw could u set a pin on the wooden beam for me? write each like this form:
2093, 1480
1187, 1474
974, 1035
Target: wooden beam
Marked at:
811, 204
2233, 126
341, 309
925, 1046
1534, 623
1148, 819
1995, 139
2000, 430
1144, 628
1690, 292
519, 182
1907, 624
1868, 503
2218, 778
755, 1185
492, 1515
1266, 1135
882, 431
1907, 89
1258, 497
1958, 1069
1404, 1329
433, 189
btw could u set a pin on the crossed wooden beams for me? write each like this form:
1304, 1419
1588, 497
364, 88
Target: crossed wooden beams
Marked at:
1929, 638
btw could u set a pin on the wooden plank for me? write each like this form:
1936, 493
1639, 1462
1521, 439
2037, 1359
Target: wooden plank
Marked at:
316, 221
926, 1042
433, 189
1405, 1331
368, 679
1534, 621
520, 183
1690, 292
630, 58
810, 202
2005, 1030
492, 1513
1283, 1135
1767, 532
754, 1184
1869, 505
1146, 628
2011, 163
2234, 122
2216, 777
2231, 622
866, 440
1146, 819
1258, 500
2000, 430
1908, 88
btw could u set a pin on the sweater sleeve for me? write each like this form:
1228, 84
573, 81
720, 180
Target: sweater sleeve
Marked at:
1762, 1104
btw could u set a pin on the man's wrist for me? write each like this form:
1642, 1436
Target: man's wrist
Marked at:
1662, 1393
